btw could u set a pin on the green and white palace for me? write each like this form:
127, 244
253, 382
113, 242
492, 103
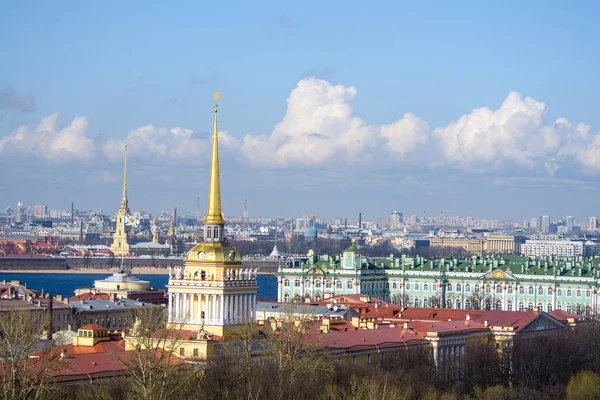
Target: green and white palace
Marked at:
500, 282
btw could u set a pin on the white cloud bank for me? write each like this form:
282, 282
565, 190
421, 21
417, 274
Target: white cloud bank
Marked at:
49, 142
320, 129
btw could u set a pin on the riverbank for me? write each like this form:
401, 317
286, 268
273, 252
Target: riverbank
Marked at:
134, 271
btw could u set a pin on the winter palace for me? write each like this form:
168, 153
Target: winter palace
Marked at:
501, 282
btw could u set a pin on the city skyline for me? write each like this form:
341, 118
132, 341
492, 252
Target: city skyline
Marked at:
432, 122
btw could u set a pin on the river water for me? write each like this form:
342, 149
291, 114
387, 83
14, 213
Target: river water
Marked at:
65, 283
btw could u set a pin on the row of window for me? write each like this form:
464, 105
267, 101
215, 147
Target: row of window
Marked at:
108, 323
449, 288
307, 284
488, 305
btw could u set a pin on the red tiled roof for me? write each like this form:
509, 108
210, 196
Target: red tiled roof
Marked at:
438, 314
93, 327
90, 296
370, 337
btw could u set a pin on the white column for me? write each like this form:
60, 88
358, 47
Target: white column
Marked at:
192, 309
170, 319
237, 309
213, 299
244, 308
199, 312
254, 308
177, 307
222, 307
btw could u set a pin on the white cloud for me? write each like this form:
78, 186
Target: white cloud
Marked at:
514, 134
168, 146
319, 127
46, 140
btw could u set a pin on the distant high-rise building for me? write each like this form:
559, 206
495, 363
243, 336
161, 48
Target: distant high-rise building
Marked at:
593, 224
534, 223
569, 223
40, 211
396, 219
20, 212
545, 224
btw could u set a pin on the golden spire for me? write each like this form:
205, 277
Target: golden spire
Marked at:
124, 198
125, 173
214, 214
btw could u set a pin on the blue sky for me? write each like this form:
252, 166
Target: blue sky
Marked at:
104, 74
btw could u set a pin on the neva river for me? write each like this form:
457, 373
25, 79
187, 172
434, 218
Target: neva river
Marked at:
65, 283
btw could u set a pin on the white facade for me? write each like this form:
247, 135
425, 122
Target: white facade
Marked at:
540, 248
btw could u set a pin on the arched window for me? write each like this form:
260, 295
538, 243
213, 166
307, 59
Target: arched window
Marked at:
521, 306
559, 292
286, 298
416, 301
499, 289
549, 307
468, 304
328, 284
458, 303
540, 306
349, 285
394, 285
476, 304
425, 304
588, 310
540, 290
488, 304
425, 287
407, 286
498, 305
521, 290
509, 290
208, 233
569, 293
530, 306
588, 293
488, 289
286, 282
338, 284
578, 293
434, 287
296, 283
509, 305
559, 306
317, 284
307, 283
476, 289
569, 308
468, 288
578, 308
550, 291
458, 288
531, 290
449, 287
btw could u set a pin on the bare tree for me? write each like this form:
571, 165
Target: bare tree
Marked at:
154, 372
22, 377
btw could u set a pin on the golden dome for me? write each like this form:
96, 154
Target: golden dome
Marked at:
210, 253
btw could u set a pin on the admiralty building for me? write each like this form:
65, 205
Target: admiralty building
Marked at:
501, 282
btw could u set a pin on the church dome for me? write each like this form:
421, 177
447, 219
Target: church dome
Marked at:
213, 252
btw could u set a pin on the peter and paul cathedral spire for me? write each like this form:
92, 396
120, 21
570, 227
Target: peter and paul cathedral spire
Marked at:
120, 246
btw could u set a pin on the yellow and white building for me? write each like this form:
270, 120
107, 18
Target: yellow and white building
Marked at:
212, 293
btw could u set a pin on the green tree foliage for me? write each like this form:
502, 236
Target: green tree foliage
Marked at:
584, 386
